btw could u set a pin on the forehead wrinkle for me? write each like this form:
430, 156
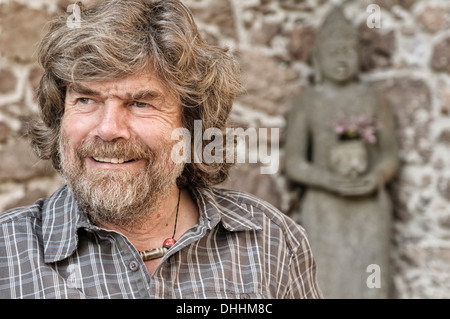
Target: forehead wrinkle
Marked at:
145, 94
127, 92
82, 89
117, 92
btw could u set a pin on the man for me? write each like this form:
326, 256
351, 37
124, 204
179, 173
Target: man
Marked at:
132, 222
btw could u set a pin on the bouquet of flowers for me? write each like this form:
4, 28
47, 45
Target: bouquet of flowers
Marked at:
363, 127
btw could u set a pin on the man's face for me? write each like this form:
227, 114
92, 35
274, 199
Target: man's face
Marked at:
115, 146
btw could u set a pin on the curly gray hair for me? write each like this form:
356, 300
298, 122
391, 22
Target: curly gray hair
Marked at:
119, 38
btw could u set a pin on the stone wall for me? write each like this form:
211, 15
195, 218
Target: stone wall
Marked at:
407, 58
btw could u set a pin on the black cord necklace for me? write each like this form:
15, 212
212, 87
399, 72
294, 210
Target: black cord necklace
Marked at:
169, 242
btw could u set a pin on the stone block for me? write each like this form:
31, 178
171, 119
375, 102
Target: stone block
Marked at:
444, 187
269, 86
440, 60
8, 81
445, 101
389, 4
377, 48
299, 5
432, 19
218, 13
301, 40
444, 137
22, 28
410, 100
265, 33
4, 132
19, 163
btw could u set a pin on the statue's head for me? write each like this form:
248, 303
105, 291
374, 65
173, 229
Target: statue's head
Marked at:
336, 49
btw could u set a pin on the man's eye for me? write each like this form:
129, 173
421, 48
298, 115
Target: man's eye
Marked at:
141, 105
85, 100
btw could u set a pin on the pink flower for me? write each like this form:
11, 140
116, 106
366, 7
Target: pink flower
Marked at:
362, 126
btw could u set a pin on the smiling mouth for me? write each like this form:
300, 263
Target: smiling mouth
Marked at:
113, 160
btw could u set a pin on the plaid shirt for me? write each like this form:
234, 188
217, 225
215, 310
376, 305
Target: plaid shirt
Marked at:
241, 247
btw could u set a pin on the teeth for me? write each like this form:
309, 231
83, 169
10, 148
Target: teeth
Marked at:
110, 160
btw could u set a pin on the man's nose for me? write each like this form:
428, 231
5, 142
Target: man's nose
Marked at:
113, 122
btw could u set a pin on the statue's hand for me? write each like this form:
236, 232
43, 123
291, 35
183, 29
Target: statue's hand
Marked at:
364, 185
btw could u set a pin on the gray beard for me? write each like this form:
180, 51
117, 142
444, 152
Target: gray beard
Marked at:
119, 197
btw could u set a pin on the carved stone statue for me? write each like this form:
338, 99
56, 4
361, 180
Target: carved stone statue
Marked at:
341, 146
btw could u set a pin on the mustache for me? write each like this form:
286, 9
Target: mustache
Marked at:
128, 150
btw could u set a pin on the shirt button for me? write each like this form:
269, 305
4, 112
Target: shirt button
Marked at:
134, 265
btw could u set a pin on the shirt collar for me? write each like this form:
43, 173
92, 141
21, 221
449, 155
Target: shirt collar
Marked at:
62, 217
219, 205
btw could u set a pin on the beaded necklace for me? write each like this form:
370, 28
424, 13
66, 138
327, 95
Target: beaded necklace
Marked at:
155, 253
